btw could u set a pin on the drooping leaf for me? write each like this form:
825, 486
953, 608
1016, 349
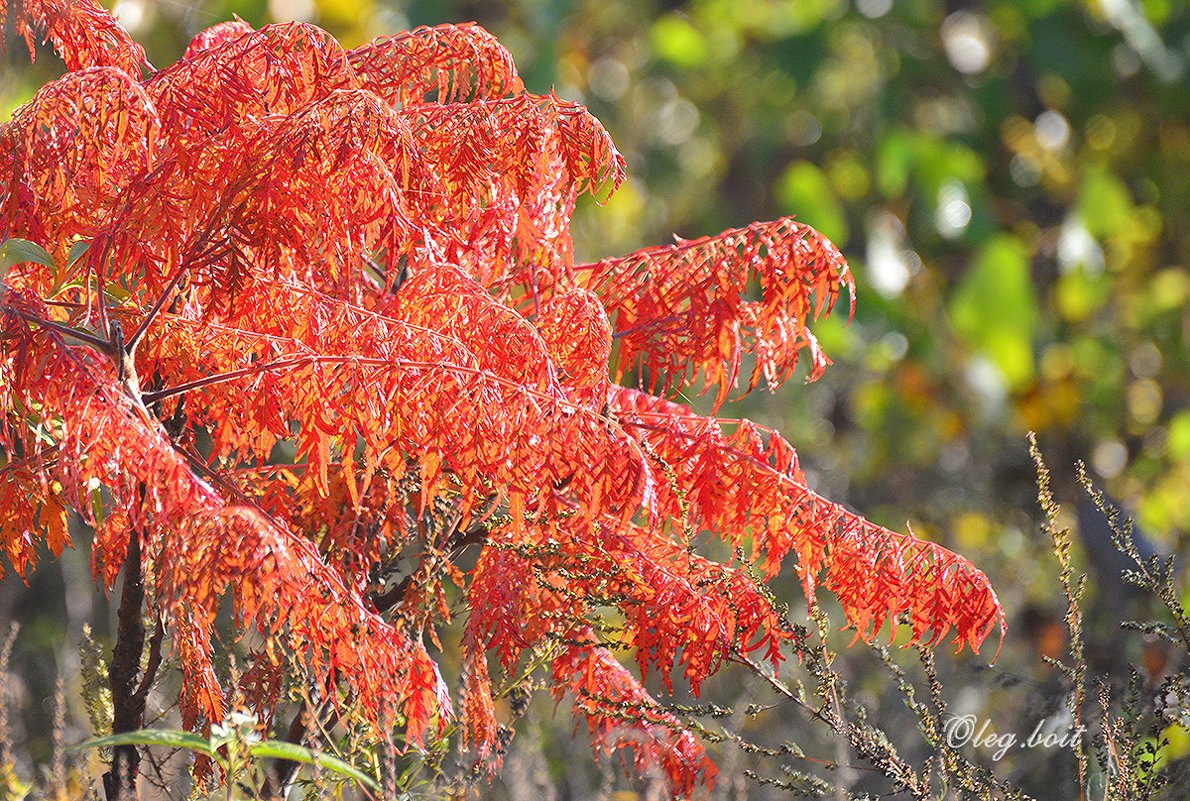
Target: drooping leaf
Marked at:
166, 738
16, 250
277, 749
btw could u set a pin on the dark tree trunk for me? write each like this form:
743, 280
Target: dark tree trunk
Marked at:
128, 700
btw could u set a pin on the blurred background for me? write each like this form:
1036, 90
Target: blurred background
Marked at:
1010, 182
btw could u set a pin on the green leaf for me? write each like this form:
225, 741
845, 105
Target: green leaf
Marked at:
277, 749
1179, 436
97, 504
169, 738
994, 308
805, 192
117, 293
1079, 293
77, 251
15, 251
1104, 204
937, 161
675, 40
894, 163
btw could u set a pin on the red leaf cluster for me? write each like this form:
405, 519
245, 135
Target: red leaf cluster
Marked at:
683, 308
324, 333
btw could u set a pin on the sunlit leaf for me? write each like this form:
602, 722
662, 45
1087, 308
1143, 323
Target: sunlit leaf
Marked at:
16, 250
276, 749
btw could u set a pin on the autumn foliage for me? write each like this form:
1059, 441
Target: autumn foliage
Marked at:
312, 333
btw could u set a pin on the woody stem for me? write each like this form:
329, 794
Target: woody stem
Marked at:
128, 703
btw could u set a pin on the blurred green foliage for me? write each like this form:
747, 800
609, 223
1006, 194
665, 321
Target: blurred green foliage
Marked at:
1010, 181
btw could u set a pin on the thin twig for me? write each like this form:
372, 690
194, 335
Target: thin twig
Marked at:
146, 682
101, 345
139, 334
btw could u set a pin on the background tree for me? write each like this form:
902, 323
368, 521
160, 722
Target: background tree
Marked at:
302, 326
